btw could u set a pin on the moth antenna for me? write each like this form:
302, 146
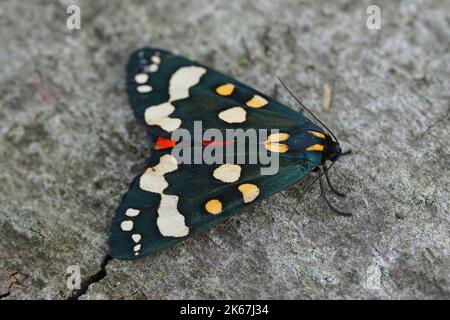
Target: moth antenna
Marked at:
309, 111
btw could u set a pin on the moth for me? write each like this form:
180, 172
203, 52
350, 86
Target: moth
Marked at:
172, 201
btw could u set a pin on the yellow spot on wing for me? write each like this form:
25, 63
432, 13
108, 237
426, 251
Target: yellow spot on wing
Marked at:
273, 145
249, 192
257, 102
316, 147
225, 89
214, 206
317, 134
275, 137
276, 147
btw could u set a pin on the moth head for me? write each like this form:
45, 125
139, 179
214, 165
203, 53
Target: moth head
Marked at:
332, 150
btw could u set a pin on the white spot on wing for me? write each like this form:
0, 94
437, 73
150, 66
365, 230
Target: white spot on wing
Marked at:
153, 178
168, 124
136, 237
180, 83
159, 115
228, 173
141, 78
233, 115
132, 212
182, 80
158, 112
126, 225
153, 68
170, 221
144, 89
156, 59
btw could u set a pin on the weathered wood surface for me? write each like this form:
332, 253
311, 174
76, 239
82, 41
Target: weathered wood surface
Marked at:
69, 147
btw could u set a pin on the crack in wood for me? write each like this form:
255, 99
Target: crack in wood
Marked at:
99, 275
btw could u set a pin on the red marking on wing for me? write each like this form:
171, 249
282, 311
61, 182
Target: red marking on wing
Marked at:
216, 143
164, 143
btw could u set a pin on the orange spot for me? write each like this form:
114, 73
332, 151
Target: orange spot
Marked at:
213, 206
317, 134
225, 89
257, 102
316, 147
249, 192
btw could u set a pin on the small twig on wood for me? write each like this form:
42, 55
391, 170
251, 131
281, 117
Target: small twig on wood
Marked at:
327, 96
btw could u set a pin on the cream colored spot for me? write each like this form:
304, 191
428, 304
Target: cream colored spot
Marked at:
136, 253
144, 89
153, 178
158, 112
275, 137
228, 173
249, 192
182, 80
153, 68
213, 206
159, 115
156, 59
225, 89
180, 83
273, 145
233, 115
137, 247
126, 225
132, 212
257, 102
141, 78
170, 221
277, 147
153, 183
169, 124
136, 237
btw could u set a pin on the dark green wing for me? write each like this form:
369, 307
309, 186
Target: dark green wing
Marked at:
149, 89
172, 201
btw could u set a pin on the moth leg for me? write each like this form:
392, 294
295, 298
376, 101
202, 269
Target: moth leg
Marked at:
334, 209
341, 194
